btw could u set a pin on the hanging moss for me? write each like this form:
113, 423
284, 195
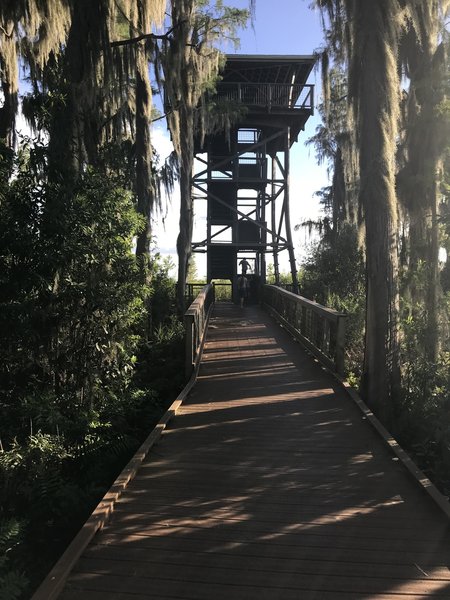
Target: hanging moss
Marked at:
190, 64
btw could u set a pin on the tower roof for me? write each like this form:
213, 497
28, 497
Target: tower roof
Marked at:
268, 68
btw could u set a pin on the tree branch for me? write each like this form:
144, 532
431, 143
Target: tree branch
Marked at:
139, 38
146, 36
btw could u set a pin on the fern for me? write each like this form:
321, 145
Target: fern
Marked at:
12, 583
10, 534
47, 487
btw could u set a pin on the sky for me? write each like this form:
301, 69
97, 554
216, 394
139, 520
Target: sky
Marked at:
279, 27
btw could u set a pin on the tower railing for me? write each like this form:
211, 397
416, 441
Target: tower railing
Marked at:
269, 95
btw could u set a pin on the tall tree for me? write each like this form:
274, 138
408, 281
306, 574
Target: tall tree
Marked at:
365, 37
374, 87
191, 64
424, 58
370, 39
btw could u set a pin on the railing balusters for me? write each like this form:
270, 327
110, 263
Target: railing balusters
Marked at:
269, 95
319, 328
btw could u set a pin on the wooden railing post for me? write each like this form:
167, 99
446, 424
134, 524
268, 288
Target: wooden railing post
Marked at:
340, 345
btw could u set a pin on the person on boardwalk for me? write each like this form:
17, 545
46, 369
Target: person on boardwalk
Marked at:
243, 286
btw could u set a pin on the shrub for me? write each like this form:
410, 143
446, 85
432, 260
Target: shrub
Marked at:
333, 275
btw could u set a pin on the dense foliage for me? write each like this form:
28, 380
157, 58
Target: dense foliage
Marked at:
80, 385
70, 284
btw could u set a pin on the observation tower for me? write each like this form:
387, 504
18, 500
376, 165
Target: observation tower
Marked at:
243, 173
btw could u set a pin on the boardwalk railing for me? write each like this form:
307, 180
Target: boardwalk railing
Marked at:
320, 329
195, 322
191, 292
223, 290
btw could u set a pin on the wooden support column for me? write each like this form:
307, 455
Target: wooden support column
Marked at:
261, 254
287, 216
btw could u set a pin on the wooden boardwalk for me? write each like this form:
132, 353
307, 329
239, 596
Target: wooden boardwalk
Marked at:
268, 484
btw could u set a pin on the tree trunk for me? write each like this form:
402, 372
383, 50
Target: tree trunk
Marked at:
8, 70
184, 239
9, 82
75, 128
339, 217
144, 183
377, 83
182, 71
433, 283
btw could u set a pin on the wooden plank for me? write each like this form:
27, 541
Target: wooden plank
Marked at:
364, 476
290, 539
226, 589
382, 514
264, 523
295, 579
279, 513
74, 594
277, 547
139, 557
329, 498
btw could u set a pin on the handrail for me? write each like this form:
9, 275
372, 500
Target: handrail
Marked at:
281, 95
195, 322
320, 329
191, 291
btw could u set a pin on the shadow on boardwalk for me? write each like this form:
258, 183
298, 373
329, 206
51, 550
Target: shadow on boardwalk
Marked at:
268, 484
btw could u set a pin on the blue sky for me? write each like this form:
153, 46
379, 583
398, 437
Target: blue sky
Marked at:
280, 27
